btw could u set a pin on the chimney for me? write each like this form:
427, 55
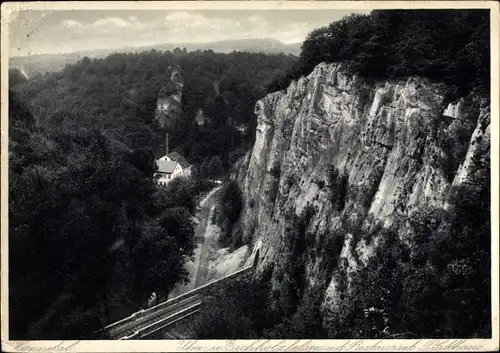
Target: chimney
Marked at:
166, 143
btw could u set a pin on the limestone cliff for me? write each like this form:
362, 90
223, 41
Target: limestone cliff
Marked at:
349, 158
169, 104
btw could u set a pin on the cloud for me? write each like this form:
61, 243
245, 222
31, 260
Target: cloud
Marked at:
190, 20
105, 30
293, 32
203, 28
186, 20
185, 17
191, 27
106, 22
255, 19
71, 24
112, 21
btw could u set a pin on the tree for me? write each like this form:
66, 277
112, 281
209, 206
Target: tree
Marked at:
450, 46
230, 204
305, 324
179, 192
76, 196
158, 262
238, 310
120, 93
212, 167
16, 77
178, 224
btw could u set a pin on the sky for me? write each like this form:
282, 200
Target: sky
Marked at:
64, 31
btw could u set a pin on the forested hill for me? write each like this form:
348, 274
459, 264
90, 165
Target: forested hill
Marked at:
41, 63
90, 236
444, 45
119, 94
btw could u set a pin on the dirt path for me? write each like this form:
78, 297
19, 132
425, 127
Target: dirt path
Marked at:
207, 243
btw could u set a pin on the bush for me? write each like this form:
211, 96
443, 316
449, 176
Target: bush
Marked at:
212, 167
338, 187
332, 247
243, 310
273, 190
229, 209
237, 311
275, 172
305, 324
201, 185
179, 192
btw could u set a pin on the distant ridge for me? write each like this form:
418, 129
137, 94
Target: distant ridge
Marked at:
265, 45
55, 61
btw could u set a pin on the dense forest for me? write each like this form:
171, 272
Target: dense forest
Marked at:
444, 45
119, 94
91, 236
85, 215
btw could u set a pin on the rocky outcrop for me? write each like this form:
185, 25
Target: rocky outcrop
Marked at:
200, 117
169, 104
347, 158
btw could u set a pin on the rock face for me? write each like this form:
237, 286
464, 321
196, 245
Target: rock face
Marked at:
200, 117
169, 104
349, 158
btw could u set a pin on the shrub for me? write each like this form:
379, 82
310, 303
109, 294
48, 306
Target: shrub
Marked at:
230, 206
338, 187
454, 148
275, 172
307, 214
237, 311
273, 190
332, 247
212, 167
290, 180
236, 237
305, 324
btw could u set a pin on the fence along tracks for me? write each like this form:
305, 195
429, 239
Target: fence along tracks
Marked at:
146, 322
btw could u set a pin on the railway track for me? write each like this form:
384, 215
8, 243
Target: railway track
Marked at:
163, 316
151, 321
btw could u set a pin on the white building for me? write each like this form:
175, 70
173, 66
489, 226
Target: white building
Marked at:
171, 166
167, 171
186, 168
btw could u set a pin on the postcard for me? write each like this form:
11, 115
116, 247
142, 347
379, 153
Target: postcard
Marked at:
291, 176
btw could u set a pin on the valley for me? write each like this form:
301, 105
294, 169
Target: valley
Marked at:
246, 189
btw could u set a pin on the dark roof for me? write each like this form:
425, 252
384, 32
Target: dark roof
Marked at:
179, 159
166, 167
